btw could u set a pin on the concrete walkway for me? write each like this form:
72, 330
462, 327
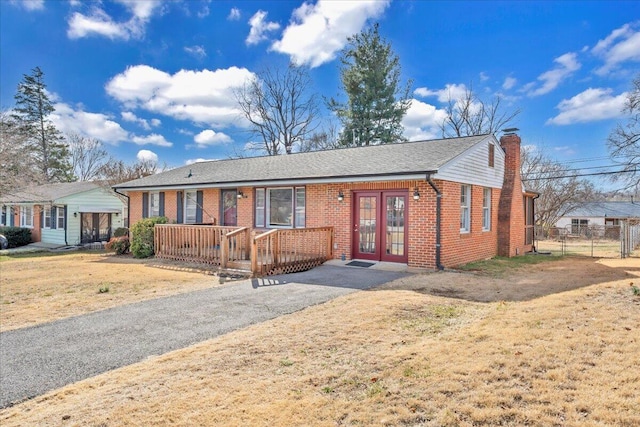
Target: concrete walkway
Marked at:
42, 358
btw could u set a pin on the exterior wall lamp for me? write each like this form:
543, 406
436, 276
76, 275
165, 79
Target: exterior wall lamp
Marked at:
340, 196
75, 214
240, 195
416, 194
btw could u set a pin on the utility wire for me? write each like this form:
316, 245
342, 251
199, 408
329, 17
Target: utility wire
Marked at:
543, 178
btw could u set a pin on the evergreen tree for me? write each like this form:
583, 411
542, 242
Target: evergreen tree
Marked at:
370, 74
48, 150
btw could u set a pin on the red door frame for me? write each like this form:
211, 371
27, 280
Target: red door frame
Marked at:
380, 253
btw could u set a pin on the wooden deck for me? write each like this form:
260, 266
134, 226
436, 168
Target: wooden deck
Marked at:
272, 252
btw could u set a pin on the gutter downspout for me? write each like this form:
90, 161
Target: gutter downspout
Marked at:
439, 265
128, 206
533, 214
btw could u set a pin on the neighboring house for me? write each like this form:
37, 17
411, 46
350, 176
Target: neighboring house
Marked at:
65, 213
598, 215
427, 204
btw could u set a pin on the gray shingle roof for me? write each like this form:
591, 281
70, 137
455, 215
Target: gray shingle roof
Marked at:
392, 159
47, 192
608, 209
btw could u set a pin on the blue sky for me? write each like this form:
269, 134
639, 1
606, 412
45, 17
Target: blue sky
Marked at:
155, 79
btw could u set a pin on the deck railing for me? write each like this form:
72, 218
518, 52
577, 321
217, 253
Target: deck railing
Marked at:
192, 243
273, 252
291, 250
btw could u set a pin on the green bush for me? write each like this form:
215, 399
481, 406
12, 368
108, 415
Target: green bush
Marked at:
119, 245
16, 236
121, 231
142, 236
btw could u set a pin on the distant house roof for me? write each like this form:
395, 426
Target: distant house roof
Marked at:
402, 159
606, 209
47, 193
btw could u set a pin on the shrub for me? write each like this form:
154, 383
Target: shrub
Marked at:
16, 236
142, 236
119, 245
121, 231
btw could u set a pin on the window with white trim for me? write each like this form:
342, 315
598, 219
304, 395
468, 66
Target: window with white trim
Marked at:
486, 209
282, 207
154, 204
60, 217
190, 206
26, 216
47, 216
465, 208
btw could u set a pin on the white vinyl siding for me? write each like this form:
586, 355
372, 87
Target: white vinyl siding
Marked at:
465, 208
472, 167
486, 209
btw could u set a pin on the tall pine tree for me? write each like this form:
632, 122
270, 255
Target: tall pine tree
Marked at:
46, 145
376, 104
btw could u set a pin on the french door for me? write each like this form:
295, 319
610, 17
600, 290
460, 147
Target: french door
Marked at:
229, 207
380, 226
96, 227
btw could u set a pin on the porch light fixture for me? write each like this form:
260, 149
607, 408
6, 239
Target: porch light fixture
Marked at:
240, 195
75, 214
340, 196
416, 194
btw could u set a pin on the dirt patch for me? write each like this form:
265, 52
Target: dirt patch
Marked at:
562, 355
38, 289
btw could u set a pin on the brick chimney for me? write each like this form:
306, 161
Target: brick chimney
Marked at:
511, 221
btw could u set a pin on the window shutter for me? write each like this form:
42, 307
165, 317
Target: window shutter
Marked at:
180, 208
145, 205
41, 215
3, 209
199, 199
54, 217
161, 207
12, 217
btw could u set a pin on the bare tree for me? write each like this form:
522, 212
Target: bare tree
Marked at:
624, 140
87, 156
470, 115
16, 159
116, 171
327, 138
560, 189
280, 108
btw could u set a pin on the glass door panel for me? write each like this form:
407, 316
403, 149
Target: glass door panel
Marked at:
366, 236
229, 207
395, 228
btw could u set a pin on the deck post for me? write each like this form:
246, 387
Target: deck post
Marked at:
224, 251
254, 254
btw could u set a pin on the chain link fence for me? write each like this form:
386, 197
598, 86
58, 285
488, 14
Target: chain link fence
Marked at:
611, 241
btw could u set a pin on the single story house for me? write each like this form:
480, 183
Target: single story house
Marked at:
598, 216
69, 213
428, 204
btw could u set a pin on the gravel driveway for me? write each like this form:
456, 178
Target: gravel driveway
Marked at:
45, 357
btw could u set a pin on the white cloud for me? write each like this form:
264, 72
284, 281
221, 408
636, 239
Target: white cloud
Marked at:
29, 5
567, 64
623, 44
147, 156
259, 27
484, 76
209, 137
156, 122
200, 96
234, 14
197, 51
152, 139
318, 31
128, 116
198, 160
588, 106
422, 121
451, 91
92, 125
98, 22
509, 82
75, 3
204, 12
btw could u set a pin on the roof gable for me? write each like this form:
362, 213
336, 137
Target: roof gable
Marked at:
400, 159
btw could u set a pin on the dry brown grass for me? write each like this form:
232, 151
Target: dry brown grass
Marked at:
36, 289
394, 356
